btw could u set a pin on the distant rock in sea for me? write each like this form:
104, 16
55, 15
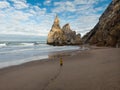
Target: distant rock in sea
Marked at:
107, 30
62, 36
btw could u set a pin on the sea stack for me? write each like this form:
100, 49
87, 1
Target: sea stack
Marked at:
55, 36
107, 30
62, 36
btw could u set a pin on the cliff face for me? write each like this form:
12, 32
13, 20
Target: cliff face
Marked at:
70, 36
64, 36
107, 30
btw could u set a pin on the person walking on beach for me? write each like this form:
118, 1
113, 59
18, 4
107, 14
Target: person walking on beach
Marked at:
61, 62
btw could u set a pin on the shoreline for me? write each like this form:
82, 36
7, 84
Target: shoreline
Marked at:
16, 57
94, 69
34, 59
49, 56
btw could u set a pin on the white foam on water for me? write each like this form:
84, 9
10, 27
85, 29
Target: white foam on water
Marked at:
15, 54
2, 44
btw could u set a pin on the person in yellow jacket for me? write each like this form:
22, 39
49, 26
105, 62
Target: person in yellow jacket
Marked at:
61, 62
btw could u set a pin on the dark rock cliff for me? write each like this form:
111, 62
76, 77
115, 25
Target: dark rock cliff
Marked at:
107, 30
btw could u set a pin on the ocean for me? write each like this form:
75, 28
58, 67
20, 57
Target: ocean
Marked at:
17, 52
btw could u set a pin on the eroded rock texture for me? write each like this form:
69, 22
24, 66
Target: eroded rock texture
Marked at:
107, 30
64, 36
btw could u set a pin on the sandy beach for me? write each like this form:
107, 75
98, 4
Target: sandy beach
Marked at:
94, 69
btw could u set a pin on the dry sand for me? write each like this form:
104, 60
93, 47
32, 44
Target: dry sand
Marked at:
96, 69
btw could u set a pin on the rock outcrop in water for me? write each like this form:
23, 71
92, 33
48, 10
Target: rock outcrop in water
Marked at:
55, 36
64, 36
107, 30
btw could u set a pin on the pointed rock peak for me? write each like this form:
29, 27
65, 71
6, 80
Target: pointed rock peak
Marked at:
66, 27
56, 20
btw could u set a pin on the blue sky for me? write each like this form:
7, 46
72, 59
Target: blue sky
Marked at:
35, 17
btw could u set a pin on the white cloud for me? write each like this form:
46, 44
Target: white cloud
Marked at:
20, 4
64, 6
33, 21
86, 1
47, 2
75, 6
23, 18
4, 4
81, 24
39, 11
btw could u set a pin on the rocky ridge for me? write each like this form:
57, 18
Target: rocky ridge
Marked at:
107, 30
62, 36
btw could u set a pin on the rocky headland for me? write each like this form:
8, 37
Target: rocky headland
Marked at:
62, 36
107, 30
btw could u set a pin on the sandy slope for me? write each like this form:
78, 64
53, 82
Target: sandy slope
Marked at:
97, 69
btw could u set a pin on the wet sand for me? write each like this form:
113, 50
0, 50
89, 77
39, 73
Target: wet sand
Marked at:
95, 69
